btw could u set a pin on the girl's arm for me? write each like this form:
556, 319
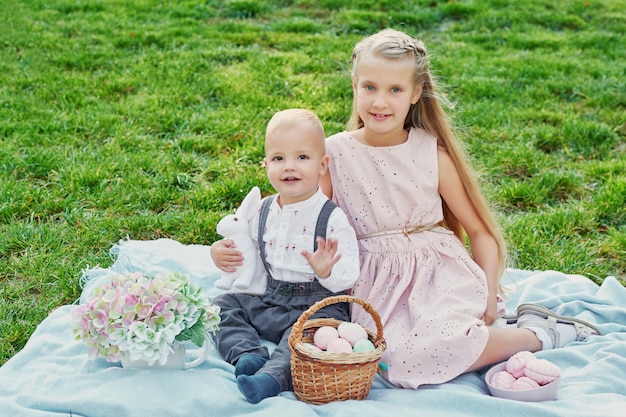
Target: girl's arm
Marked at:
483, 246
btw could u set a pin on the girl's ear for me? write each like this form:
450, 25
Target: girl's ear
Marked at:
417, 92
354, 85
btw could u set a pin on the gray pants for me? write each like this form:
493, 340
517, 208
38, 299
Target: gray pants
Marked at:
246, 319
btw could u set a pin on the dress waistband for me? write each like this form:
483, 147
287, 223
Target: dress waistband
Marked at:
408, 230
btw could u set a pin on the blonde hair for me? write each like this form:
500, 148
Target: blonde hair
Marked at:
428, 113
290, 118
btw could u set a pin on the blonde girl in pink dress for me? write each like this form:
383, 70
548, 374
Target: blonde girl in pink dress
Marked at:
408, 190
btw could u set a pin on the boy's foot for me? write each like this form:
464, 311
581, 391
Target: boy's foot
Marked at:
552, 329
258, 387
249, 364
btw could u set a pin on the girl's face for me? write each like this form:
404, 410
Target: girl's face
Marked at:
384, 90
294, 159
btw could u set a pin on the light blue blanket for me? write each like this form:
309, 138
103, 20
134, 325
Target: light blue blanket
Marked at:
52, 376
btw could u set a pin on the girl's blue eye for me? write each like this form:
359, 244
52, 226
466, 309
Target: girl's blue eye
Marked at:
395, 90
369, 88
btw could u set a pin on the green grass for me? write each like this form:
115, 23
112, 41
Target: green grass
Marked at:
145, 119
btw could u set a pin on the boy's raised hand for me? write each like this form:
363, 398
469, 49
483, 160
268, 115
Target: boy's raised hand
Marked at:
324, 258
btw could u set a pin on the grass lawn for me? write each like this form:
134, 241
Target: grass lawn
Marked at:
145, 119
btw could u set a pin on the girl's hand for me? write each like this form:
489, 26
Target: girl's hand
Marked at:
324, 258
225, 255
492, 310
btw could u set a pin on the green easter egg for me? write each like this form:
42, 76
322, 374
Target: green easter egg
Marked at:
363, 345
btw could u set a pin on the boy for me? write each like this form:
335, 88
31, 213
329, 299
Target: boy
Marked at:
307, 247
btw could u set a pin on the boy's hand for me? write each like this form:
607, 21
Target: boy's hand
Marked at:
324, 258
225, 255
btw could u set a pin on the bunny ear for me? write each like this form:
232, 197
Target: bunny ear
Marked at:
250, 205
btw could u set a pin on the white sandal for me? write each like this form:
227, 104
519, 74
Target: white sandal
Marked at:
583, 329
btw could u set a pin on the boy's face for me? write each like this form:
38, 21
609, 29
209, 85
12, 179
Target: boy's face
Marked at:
294, 159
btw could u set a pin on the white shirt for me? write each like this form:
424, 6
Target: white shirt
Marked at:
291, 229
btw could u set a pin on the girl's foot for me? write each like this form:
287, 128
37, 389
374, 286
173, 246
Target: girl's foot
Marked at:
553, 330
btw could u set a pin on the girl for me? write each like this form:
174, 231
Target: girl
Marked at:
407, 188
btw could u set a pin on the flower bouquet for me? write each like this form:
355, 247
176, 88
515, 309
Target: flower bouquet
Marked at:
142, 317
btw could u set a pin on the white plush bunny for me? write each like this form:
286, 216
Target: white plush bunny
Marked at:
237, 227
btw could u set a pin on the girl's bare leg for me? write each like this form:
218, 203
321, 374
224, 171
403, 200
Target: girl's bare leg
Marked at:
504, 343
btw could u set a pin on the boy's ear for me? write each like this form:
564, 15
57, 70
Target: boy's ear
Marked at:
324, 164
265, 163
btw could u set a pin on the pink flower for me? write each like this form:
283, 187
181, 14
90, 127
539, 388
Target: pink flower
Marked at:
160, 305
143, 310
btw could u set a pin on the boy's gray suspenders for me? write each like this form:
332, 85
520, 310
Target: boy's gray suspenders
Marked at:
320, 226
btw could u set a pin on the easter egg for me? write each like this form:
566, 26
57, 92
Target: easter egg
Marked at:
517, 363
352, 332
524, 383
502, 380
542, 371
339, 345
363, 345
323, 335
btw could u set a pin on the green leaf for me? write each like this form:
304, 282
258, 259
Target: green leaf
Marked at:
195, 333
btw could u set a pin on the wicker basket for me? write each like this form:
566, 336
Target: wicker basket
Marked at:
321, 377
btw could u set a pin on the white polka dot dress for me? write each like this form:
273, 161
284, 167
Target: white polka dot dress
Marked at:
428, 291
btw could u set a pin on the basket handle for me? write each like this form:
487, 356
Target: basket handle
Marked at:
296, 331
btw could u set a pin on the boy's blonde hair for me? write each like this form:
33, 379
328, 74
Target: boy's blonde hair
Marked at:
428, 114
290, 118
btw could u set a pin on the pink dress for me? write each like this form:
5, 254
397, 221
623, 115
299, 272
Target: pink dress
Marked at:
429, 292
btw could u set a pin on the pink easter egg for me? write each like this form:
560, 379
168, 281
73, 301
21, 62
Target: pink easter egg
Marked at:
517, 363
542, 371
323, 335
339, 345
524, 383
502, 380
352, 332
